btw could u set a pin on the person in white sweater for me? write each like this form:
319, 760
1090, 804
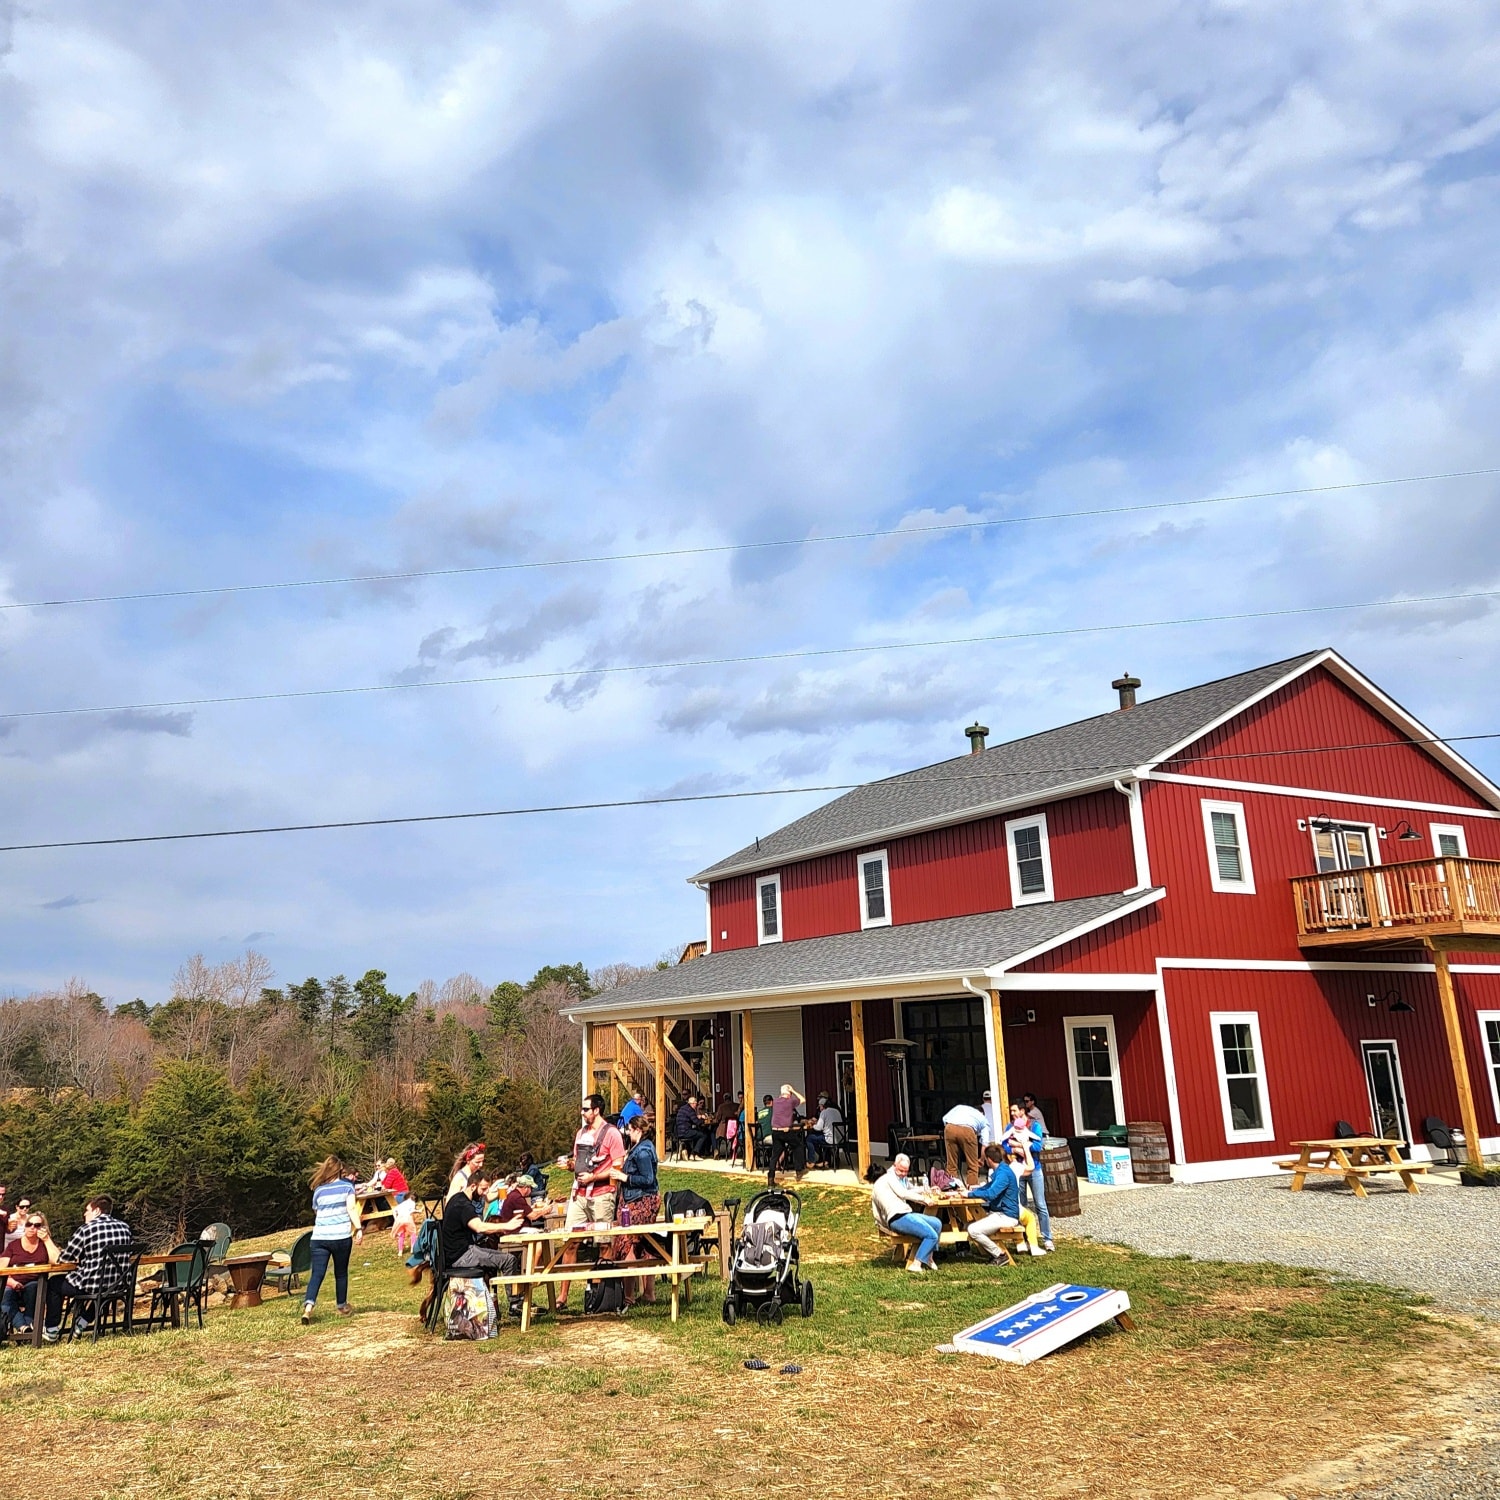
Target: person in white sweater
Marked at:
891, 1200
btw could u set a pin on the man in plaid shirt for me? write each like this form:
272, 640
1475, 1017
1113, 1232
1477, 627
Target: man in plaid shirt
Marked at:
91, 1250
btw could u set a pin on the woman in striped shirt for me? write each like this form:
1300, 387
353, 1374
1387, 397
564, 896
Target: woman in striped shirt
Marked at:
335, 1229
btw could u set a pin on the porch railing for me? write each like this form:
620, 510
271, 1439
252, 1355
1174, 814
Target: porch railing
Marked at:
1414, 895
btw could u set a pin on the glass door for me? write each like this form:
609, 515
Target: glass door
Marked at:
1387, 1095
1094, 1073
1343, 846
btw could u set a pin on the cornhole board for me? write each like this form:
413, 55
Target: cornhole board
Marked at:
1043, 1322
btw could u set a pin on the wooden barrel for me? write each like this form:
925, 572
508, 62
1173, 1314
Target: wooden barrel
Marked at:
1061, 1180
1150, 1155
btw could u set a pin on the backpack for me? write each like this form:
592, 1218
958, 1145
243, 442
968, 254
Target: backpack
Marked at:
604, 1296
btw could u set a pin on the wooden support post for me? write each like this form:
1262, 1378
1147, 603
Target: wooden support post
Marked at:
1449, 1004
861, 1084
747, 1071
659, 1061
1002, 1104
588, 1058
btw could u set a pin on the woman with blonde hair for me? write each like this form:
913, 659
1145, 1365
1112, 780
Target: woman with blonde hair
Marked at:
335, 1229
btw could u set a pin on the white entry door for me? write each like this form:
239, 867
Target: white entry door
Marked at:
1094, 1073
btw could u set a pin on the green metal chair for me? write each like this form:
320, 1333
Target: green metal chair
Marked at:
298, 1263
181, 1286
218, 1247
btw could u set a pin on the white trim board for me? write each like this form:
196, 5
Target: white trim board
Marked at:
1146, 898
1008, 983
1303, 791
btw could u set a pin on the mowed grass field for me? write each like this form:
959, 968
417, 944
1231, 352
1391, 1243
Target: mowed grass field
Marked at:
1236, 1375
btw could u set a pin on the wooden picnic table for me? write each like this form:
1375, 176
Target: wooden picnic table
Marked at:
1353, 1158
375, 1203
542, 1264
958, 1209
52, 1268
246, 1273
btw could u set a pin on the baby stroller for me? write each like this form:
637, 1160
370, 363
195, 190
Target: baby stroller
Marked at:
765, 1261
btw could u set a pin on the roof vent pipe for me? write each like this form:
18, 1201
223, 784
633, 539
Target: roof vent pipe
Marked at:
976, 733
1125, 686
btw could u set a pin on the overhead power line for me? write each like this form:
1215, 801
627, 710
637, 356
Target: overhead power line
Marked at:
948, 778
811, 653
410, 574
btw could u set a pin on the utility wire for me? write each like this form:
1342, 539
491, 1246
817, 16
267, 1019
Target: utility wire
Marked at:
802, 541
764, 656
948, 778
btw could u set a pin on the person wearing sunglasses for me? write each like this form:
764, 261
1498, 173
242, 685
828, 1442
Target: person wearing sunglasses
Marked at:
33, 1246
598, 1149
16, 1219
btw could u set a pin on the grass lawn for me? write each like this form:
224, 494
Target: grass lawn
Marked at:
1228, 1360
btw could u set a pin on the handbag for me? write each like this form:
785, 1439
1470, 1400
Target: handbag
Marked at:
469, 1310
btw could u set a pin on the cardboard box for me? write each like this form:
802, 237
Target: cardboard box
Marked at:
1109, 1166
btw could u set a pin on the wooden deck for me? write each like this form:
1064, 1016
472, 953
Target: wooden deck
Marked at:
1427, 903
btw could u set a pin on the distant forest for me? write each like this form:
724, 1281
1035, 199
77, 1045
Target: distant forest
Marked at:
215, 1104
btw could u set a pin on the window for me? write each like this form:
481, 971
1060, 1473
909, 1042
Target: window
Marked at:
1030, 863
1228, 848
874, 890
768, 907
1489, 1029
1093, 1073
1448, 841
1242, 1088
949, 1063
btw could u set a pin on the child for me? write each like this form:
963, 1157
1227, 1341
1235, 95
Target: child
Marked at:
404, 1225
1018, 1159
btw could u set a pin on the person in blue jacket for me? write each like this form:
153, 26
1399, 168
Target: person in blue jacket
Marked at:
1001, 1194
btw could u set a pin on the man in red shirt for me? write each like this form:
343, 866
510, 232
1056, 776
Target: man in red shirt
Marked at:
597, 1150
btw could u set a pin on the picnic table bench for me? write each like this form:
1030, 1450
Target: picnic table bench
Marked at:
1353, 1158
957, 1211
542, 1264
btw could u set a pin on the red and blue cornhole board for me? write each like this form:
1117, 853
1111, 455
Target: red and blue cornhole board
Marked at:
1043, 1322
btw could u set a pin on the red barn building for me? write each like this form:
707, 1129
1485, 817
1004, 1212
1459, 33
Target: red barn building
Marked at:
1229, 909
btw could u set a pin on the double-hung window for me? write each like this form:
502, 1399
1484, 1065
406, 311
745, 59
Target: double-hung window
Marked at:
1448, 841
1229, 866
768, 908
1029, 860
1242, 1076
874, 890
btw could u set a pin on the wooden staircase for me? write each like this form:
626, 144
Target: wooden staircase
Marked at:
623, 1062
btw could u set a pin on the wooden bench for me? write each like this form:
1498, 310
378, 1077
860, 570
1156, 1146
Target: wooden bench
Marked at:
904, 1246
679, 1275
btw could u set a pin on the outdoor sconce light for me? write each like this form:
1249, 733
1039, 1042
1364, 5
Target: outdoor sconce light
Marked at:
1406, 834
840, 1026
1393, 1003
1023, 1018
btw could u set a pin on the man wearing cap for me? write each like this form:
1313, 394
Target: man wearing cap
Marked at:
987, 1107
820, 1137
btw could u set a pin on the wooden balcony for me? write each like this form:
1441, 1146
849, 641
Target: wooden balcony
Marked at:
1431, 903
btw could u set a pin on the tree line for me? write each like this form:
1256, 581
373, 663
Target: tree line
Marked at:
215, 1104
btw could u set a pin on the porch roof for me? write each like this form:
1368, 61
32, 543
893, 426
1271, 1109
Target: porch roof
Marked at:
899, 957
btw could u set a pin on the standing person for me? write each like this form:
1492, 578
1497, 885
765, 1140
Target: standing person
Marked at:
1028, 1102
393, 1180
1028, 1135
335, 1230
966, 1133
92, 1249
468, 1161
640, 1199
786, 1138
14, 1222
597, 1151
987, 1109
820, 1137
33, 1246
891, 1200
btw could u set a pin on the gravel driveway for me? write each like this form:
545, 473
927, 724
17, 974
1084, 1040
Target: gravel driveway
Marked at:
1444, 1241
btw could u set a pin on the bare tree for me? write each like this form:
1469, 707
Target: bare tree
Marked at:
612, 976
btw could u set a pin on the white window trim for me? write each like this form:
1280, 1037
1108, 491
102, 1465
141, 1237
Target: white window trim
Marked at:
1489, 1068
1039, 822
1267, 1131
760, 934
1236, 810
1371, 829
1458, 832
1108, 1023
885, 884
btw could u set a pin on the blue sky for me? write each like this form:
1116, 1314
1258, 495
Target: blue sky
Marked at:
303, 291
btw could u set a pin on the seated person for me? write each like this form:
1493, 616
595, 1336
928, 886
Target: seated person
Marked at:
468, 1238
891, 1200
93, 1249
527, 1167
33, 1246
1002, 1196
820, 1137
693, 1128
517, 1212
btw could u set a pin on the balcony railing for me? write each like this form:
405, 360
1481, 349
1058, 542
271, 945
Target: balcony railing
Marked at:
1407, 902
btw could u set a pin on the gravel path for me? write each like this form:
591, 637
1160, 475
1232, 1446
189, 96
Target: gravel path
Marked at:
1444, 1241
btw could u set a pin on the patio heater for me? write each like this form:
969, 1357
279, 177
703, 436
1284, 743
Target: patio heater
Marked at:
895, 1050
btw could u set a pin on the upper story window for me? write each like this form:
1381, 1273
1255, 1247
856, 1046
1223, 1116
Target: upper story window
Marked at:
768, 908
874, 890
1030, 862
1228, 849
1448, 841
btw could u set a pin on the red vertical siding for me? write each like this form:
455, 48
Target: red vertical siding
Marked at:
824, 1033
732, 905
723, 1045
1318, 710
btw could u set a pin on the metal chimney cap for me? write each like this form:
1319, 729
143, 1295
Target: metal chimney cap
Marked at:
1125, 686
976, 733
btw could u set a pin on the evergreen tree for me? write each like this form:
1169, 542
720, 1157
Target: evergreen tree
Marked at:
507, 1009
376, 1014
574, 976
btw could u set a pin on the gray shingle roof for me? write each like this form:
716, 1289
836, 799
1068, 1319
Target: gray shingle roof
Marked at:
952, 946
1076, 755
